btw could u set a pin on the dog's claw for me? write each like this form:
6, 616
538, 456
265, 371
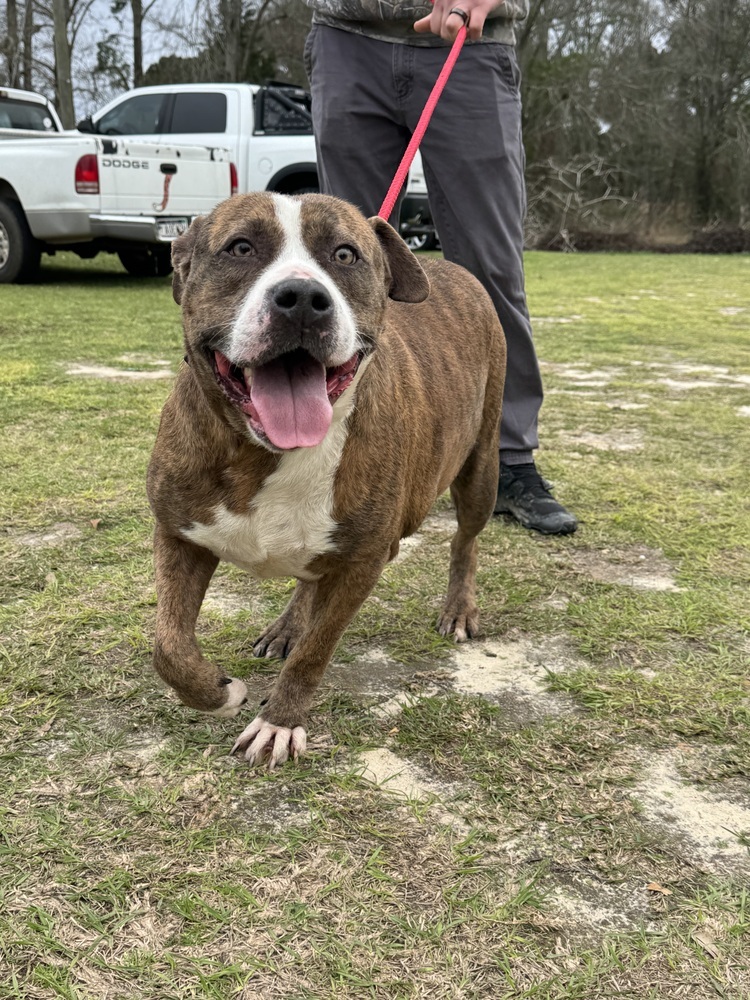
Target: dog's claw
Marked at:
261, 739
461, 627
276, 643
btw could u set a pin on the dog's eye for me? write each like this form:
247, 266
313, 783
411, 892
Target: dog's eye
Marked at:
240, 248
345, 255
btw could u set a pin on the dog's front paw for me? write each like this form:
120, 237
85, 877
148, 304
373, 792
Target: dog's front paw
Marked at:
262, 739
462, 625
236, 698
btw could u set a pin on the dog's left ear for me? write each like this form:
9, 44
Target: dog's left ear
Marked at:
182, 256
409, 283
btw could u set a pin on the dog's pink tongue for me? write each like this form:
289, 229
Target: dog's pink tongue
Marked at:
292, 402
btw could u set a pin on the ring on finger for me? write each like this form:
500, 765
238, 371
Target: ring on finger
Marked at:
461, 13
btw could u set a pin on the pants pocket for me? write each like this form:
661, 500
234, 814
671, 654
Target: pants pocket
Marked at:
508, 63
307, 53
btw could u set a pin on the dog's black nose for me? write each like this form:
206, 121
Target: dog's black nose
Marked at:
302, 300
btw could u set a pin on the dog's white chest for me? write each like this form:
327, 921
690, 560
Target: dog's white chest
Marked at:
290, 520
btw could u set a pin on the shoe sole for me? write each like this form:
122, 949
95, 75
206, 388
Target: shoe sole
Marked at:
566, 530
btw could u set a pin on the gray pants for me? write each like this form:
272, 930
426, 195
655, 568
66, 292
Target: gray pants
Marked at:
367, 98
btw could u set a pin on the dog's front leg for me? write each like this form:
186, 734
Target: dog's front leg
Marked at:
183, 572
279, 730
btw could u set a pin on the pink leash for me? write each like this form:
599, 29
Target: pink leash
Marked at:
424, 120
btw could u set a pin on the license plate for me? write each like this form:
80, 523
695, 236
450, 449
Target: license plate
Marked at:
170, 229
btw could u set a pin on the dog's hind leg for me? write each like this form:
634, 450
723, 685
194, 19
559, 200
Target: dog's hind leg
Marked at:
473, 491
183, 572
279, 639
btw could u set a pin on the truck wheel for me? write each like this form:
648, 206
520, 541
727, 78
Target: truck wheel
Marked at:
19, 251
422, 241
146, 263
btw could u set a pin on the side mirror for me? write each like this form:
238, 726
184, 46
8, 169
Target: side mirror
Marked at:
86, 125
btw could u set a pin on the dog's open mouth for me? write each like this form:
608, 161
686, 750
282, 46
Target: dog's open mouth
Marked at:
289, 400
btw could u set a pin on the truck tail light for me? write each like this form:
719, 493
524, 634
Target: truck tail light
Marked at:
233, 178
87, 175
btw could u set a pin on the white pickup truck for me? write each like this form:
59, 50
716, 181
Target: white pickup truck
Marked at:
268, 130
66, 191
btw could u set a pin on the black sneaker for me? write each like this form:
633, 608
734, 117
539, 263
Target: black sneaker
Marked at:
526, 496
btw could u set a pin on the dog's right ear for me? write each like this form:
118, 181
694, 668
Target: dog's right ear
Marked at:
408, 282
182, 256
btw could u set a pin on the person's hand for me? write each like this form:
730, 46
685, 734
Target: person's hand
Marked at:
442, 21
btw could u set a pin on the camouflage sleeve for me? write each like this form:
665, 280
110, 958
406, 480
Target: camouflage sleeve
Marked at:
401, 10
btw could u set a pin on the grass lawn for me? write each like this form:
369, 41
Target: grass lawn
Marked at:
559, 810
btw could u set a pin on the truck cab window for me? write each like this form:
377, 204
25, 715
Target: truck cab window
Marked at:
195, 113
137, 116
24, 114
284, 110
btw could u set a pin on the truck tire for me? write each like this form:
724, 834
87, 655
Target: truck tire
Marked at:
421, 241
19, 251
147, 263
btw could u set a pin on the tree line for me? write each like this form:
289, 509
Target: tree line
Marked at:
636, 116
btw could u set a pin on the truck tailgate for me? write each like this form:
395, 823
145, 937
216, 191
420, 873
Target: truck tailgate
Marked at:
139, 178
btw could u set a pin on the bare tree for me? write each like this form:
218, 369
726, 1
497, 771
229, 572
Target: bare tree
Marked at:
660, 92
709, 56
28, 45
230, 32
138, 12
11, 46
63, 78
578, 197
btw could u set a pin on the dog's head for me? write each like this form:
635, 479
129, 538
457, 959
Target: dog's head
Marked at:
283, 298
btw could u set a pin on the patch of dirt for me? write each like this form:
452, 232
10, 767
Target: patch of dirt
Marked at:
147, 747
392, 774
557, 602
374, 675
556, 319
580, 370
442, 522
625, 440
56, 534
696, 383
222, 598
599, 374
638, 566
744, 411
104, 371
136, 358
407, 547
404, 699
149, 929
684, 376
578, 393
585, 908
509, 673
707, 824
266, 806
515, 671
710, 376
683, 367
621, 404
732, 310
226, 603
582, 374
